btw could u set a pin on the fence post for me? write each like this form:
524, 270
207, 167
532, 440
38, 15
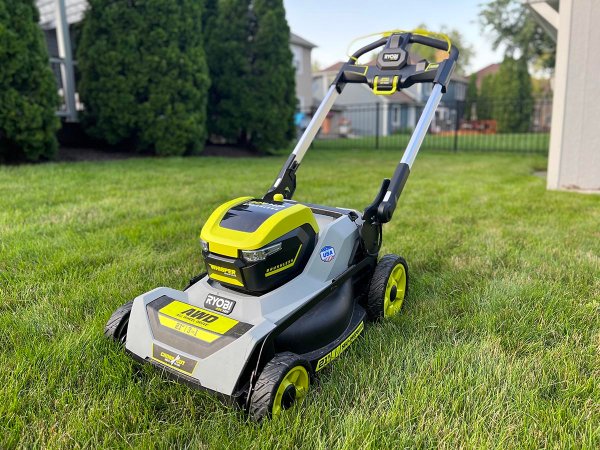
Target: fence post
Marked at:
377, 126
456, 125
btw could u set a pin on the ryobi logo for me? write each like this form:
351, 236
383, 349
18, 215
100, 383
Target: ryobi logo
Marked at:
327, 253
391, 56
219, 304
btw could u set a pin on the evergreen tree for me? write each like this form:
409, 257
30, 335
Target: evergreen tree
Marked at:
252, 99
228, 49
486, 98
28, 92
144, 77
513, 91
471, 98
273, 78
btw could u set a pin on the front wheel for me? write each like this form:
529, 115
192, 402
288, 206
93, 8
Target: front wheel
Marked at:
116, 327
388, 288
282, 384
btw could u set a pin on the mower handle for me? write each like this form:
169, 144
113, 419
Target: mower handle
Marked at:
413, 39
394, 68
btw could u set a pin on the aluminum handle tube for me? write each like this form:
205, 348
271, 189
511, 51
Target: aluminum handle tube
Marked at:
315, 123
422, 126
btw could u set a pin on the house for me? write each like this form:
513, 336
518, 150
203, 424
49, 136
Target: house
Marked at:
370, 114
301, 51
56, 13
490, 69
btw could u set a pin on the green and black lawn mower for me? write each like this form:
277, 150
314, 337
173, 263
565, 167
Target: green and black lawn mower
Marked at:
288, 285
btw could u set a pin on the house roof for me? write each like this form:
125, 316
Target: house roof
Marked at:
75, 10
333, 68
487, 70
295, 39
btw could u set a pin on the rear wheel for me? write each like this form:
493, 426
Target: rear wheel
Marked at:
116, 327
388, 288
282, 384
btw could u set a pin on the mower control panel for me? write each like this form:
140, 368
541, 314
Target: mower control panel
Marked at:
393, 71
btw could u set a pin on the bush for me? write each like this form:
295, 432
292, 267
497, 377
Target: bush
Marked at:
28, 93
144, 78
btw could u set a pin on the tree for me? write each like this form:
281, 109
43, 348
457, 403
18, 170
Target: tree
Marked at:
471, 98
252, 99
514, 26
485, 101
457, 39
144, 77
273, 78
28, 93
228, 49
513, 102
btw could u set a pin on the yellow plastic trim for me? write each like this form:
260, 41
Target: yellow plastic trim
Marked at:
340, 348
224, 279
224, 241
297, 376
397, 278
393, 90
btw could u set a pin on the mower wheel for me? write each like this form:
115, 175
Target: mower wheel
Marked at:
116, 327
388, 288
282, 383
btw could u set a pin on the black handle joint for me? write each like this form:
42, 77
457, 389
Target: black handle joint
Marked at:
444, 72
386, 208
287, 181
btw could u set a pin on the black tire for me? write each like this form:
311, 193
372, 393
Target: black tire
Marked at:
116, 327
266, 388
376, 303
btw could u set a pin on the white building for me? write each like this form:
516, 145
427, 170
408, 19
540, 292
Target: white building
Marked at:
574, 158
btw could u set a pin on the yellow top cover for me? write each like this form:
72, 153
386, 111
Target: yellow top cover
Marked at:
249, 224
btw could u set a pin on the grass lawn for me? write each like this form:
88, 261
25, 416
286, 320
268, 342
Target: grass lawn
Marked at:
504, 142
498, 344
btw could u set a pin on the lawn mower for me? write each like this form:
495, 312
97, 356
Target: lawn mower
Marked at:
288, 285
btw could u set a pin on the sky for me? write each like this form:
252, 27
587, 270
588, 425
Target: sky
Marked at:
333, 24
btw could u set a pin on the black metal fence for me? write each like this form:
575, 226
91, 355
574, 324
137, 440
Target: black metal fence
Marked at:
503, 125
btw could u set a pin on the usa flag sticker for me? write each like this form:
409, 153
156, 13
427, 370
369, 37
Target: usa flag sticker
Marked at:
327, 253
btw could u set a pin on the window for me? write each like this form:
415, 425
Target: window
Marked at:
395, 116
297, 59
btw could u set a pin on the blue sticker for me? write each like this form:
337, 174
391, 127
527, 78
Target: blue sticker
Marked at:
327, 253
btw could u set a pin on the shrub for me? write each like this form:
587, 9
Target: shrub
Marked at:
28, 93
252, 98
144, 78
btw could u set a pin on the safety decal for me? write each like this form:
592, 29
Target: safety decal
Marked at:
173, 360
190, 330
198, 317
327, 253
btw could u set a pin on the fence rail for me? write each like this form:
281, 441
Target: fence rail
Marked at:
502, 125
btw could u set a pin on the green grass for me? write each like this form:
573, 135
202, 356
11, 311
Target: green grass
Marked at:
505, 142
497, 345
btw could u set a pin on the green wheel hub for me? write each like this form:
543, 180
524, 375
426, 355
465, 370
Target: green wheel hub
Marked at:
394, 291
292, 389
